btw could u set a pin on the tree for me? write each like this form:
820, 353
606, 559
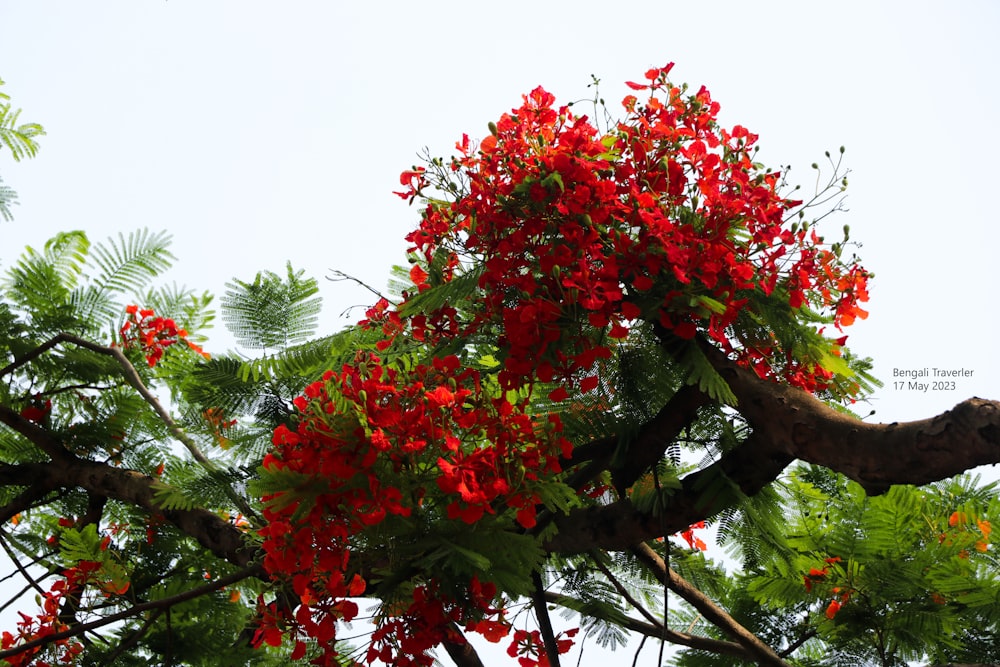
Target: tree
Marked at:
604, 339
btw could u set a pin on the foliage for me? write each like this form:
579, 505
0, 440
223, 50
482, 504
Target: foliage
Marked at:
20, 140
568, 294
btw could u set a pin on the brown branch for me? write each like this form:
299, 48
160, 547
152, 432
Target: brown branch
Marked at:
658, 631
761, 652
17, 564
45, 441
213, 532
622, 590
795, 645
30, 356
38, 487
462, 653
644, 451
544, 622
876, 456
789, 424
134, 638
618, 526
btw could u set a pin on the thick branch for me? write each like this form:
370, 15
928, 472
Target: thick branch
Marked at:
212, 532
54, 449
790, 424
619, 525
761, 652
644, 451
38, 487
44, 440
544, 622
876, 456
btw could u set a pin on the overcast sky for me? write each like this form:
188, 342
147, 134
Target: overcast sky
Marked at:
258, 133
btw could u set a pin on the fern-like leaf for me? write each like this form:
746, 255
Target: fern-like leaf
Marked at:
18, 138
272, 312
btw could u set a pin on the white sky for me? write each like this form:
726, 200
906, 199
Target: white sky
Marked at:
258, 133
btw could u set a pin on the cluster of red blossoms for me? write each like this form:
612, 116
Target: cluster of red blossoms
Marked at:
44, 624
152, 334
363, 437
665, 218
564, 238
48, 621
839, 595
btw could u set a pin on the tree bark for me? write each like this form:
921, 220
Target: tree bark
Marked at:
790, 424
213, 532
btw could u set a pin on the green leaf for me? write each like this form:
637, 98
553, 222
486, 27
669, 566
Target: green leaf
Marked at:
168, 497
272, 312
18, 138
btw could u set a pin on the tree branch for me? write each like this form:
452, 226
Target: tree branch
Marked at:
45, 441
657, 631
462, 654
17, 564
37, 488
876, 456
790, 424
35, 434
623, 591
644, 451
761, 652
544, 622
618, 526
214, 533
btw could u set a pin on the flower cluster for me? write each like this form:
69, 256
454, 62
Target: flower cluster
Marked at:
217, 423
405, 639
44, 624
374, 442
48, 621
529, 648
152, 334
693, 541
577, 234
562, 239
963, 529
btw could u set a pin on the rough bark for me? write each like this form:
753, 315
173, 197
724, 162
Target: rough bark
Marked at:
214, 533
790, 424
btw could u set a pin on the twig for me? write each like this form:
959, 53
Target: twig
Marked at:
341, 276
17, 563
624, 591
